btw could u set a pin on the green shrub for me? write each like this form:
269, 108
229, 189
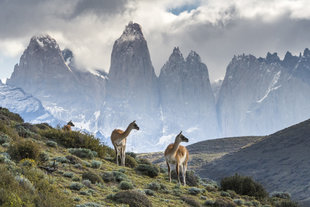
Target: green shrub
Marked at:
87, 183
191, 201
149, 192
51, 144
223, 203
68, 174
107, 177
124, 185
119, 176
74, 139
243, 186
93, 177
96, 164
287, 204
43, 126
144, 161
209, 203
25, 130
90, 204
76, 186
225, 194
239, 202
153, 186
283, 195
149, 170
76, 179
130, 161
24, 149
132, 198
43, 157
72, 159
83, 153
4, 139
61, 159
132, 154
194, 191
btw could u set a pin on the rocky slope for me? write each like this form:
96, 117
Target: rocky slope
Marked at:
262, 95
279, 162
187, 101
29, 107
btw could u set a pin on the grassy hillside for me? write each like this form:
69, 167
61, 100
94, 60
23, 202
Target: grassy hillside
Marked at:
206, 151
45, 167
280, 162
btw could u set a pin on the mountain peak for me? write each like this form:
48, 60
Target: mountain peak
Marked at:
44, 41
193, 56
176, 55
133, 31
272, 58
306, 52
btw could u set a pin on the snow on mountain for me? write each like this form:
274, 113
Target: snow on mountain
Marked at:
261, 96
216, 87
29, 107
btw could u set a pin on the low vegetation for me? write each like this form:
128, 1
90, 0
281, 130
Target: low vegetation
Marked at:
43, 166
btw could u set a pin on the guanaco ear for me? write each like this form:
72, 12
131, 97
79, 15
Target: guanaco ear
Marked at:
134, 121
180, 132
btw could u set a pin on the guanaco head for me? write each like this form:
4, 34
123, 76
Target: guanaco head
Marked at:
134, 125
181, 138
70, 123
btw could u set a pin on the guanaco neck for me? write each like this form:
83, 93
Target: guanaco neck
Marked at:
127, 132
175, 146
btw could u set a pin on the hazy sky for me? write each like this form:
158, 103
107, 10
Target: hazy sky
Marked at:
215, 29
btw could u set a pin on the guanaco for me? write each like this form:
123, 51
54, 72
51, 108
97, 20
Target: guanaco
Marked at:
118, 138
68, 126
176, 154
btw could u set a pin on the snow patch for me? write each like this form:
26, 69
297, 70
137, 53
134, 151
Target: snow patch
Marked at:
272, 86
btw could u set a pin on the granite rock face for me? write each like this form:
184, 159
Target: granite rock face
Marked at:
261, 96
187, 100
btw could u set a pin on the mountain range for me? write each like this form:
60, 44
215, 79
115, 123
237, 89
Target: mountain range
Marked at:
258, 96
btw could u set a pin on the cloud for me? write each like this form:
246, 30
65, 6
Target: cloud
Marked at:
216, 29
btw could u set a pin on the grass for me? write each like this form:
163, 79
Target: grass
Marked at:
84, 185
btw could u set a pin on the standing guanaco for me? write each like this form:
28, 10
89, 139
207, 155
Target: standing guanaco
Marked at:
118, 138
176, 154
68, 126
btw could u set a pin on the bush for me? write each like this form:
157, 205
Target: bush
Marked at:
26, 130
191, 201
51, 144
144, 161
76, 186
107, 177
149, 192
124, 185
43, 157
61, 159
243, 186
119, 176
281, 195
4, 139
287, 204
24, 149
132, 154
43, 126
93, 177
27, 162
223, 203
6, 115
74, 139
87, 183
149, 170
239, 202
194, 191
225, 194
68, 174
132, 198
130, 161
153, 186
90, 204
96, 164
83, 153
72, 159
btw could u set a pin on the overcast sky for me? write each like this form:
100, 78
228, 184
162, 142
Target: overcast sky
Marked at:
215, 29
